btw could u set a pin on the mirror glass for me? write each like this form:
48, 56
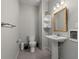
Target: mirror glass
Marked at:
60, 21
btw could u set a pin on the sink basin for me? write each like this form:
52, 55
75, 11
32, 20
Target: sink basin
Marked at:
57, 38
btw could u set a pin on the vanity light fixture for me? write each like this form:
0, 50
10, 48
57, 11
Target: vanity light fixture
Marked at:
54, 8
62, 2
57, 5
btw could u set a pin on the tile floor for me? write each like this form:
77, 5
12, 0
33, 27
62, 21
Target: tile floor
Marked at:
38, 54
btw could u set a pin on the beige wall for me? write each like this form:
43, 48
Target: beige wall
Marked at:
27, 21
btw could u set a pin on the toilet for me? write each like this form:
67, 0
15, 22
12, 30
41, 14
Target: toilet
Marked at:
32, 43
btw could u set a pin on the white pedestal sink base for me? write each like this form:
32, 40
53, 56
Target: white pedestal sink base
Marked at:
54, 50
54, 44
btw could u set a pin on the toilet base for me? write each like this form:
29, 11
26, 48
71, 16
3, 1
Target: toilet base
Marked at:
32, 50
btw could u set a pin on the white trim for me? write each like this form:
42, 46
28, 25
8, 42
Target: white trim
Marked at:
74, 40
73, 30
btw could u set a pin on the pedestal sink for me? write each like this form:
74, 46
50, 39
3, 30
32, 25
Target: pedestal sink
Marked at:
54, 45
57, 38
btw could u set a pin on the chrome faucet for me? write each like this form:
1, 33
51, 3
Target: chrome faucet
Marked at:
58, 34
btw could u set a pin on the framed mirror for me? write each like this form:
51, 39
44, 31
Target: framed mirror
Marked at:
60, 21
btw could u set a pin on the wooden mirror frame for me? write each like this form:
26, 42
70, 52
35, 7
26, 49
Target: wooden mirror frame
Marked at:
65, 21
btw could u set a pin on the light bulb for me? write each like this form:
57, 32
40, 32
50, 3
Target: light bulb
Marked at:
54, 8
62, 2
57, 5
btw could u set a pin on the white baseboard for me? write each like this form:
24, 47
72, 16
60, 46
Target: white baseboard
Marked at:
47, 49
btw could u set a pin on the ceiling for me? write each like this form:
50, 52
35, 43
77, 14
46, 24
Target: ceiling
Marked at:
30, 2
